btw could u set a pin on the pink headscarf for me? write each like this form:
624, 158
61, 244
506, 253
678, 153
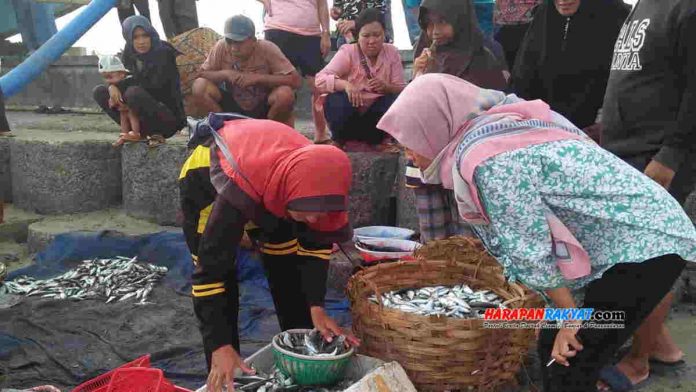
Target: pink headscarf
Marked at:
432, 113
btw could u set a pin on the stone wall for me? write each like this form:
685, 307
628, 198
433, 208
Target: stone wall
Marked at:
65, 176
67, 83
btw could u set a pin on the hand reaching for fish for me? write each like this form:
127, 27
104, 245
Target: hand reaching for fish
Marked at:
223, 364
328, 327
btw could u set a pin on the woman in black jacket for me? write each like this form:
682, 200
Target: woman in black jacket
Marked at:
566, 54
153, 93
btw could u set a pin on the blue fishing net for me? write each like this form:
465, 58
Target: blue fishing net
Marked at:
65, 343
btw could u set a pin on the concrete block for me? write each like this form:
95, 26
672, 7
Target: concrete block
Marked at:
150, 189
67, 83
16, 226
60, 173
5, 176
406, 212
42, 233
372, 201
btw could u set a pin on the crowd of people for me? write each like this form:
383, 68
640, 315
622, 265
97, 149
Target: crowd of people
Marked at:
502, 131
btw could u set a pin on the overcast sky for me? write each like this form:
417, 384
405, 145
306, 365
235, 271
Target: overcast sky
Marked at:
105, 36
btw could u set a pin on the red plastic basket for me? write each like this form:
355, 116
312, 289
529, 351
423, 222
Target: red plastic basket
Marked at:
139, 380
101, 383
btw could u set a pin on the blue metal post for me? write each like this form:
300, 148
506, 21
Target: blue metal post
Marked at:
15, 80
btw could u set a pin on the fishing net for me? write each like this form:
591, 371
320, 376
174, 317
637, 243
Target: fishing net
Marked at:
66, 342
439, 353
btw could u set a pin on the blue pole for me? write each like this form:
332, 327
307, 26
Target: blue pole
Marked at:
15, 80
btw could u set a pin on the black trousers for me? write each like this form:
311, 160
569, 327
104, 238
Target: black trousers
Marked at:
4, 125
634, 288
155, 117
143, 8
347, 124
285, 282
178, 16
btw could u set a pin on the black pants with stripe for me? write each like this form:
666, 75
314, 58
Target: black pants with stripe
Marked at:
635, 289
284, 280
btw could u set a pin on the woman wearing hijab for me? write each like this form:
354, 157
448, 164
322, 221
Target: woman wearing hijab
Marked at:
292, 200
557, 211
153, 93
361, 82
566, 55
460, 49
453, 43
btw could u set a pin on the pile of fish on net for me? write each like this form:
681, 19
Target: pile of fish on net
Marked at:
116, 279
278, 382
458, 301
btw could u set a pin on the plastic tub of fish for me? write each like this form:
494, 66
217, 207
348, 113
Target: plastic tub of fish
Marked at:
263, 361
376, 249
307, 358
382, 232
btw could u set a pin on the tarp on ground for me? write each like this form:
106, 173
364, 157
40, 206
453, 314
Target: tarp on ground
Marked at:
64, 343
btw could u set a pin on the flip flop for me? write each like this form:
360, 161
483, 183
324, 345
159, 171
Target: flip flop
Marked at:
658, 362
617, 381
325, 141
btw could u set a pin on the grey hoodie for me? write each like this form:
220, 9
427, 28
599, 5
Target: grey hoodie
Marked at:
650, 103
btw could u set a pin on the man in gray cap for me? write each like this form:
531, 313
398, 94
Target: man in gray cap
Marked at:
247, 76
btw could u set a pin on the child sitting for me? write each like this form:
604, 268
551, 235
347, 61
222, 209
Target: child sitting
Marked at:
118, 80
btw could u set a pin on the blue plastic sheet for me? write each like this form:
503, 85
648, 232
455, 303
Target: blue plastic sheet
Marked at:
66, 343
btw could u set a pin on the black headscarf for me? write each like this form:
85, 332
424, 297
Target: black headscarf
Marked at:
156, 70
565, 61
467, 56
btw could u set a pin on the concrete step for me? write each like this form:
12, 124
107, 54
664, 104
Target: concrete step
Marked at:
15, 228
42, 232
14, 255
64, 172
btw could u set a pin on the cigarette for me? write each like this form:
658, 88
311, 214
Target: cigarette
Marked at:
550, 362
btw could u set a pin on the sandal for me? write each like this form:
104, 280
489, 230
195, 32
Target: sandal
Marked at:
155, 140
325, 141
132, 137
617, 381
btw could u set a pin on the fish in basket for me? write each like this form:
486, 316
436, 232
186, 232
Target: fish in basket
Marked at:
425, 314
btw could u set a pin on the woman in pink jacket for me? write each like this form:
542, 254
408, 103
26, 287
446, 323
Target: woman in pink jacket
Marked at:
360, 83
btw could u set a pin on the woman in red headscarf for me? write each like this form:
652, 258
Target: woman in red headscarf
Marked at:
291, 197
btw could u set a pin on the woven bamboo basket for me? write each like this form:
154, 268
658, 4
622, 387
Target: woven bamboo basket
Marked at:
464, 249
194, 45
439, 353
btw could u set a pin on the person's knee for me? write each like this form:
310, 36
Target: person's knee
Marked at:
133, 94
100, 94
282, 97
201, 87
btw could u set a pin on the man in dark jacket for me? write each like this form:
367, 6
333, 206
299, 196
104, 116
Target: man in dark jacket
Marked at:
648, 119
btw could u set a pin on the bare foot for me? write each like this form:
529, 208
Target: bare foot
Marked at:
636, 369
665, 349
